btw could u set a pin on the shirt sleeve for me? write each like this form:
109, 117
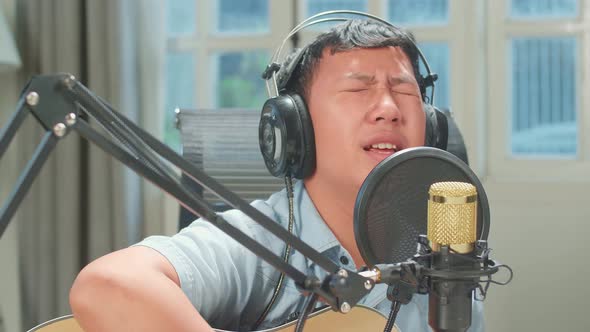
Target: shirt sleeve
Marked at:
218, 275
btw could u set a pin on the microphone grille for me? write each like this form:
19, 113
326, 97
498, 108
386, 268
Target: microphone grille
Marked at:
452, 189
452, 215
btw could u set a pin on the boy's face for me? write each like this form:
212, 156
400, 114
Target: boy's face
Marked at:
365, 104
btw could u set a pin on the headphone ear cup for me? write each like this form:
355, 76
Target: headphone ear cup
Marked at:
437, 128
285, 136
272, 136
307, 165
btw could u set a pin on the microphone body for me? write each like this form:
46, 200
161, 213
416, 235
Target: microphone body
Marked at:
449, 301
452, 225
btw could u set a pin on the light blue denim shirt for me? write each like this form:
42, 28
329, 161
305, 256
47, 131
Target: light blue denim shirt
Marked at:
230, 286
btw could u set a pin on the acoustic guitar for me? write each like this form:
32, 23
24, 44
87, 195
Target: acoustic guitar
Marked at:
360, 318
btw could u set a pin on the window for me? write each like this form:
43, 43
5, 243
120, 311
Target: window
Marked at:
241, 17
535, 95
317, 6
238, 82
543, 95
180, 87
552, 9
216, 53
437, 55
543, 83
312, 7
431, 18
418, 12
181, 18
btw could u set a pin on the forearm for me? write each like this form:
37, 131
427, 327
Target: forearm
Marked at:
131, 300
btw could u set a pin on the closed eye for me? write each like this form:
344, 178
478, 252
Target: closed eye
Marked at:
408, 91
355, 90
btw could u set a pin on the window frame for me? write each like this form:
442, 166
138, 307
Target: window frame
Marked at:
503, 164
207, 42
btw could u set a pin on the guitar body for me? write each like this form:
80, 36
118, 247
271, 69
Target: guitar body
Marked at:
358, 319
62, 324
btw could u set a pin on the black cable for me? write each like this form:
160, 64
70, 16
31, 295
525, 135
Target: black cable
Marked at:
286, 254
295, 38
509, 278
395, 306
484, 289
310, 302
84, 151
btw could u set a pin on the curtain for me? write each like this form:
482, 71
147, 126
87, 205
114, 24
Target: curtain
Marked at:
84, 203
10, 309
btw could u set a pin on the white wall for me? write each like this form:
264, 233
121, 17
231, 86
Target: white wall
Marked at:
540, 230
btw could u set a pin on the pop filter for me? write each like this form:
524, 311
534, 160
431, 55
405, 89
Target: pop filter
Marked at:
391, 207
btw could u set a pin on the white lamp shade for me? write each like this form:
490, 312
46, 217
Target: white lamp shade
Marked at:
9, 58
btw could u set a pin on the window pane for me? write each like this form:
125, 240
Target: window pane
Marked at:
437, 55
181, 17
418, 12
535, 9
242, 16
238, 79
544, 97
317, 6
180, 91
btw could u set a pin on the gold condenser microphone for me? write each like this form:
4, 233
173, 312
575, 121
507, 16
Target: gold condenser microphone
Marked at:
452, 216
452, 228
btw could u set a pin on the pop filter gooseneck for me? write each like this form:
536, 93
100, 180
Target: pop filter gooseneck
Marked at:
391, 207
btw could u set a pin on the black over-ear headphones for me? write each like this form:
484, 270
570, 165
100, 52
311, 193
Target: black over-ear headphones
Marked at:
286, 134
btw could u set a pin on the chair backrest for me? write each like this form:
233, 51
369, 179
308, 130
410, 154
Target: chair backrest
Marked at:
224, 144
455, 143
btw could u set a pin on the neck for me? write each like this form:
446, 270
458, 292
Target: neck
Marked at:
336, 207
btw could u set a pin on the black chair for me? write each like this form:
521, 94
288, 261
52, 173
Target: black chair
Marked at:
455, 143
224, 144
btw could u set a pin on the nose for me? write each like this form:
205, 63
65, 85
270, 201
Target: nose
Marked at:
384, 108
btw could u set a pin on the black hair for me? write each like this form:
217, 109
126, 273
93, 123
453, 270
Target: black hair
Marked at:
352, 34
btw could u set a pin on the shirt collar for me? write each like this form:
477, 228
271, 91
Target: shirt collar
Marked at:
309, 225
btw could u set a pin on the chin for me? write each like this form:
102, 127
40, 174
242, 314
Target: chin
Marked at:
360, 179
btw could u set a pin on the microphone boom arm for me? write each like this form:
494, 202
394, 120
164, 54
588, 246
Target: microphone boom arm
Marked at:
61, 104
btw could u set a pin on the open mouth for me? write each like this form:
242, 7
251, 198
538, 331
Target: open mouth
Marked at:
385, 148
380, 151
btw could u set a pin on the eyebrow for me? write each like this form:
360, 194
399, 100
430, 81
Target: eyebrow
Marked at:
370, 79
366, 78
404, 78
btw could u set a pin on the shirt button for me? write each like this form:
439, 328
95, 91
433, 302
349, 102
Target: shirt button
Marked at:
344, 260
